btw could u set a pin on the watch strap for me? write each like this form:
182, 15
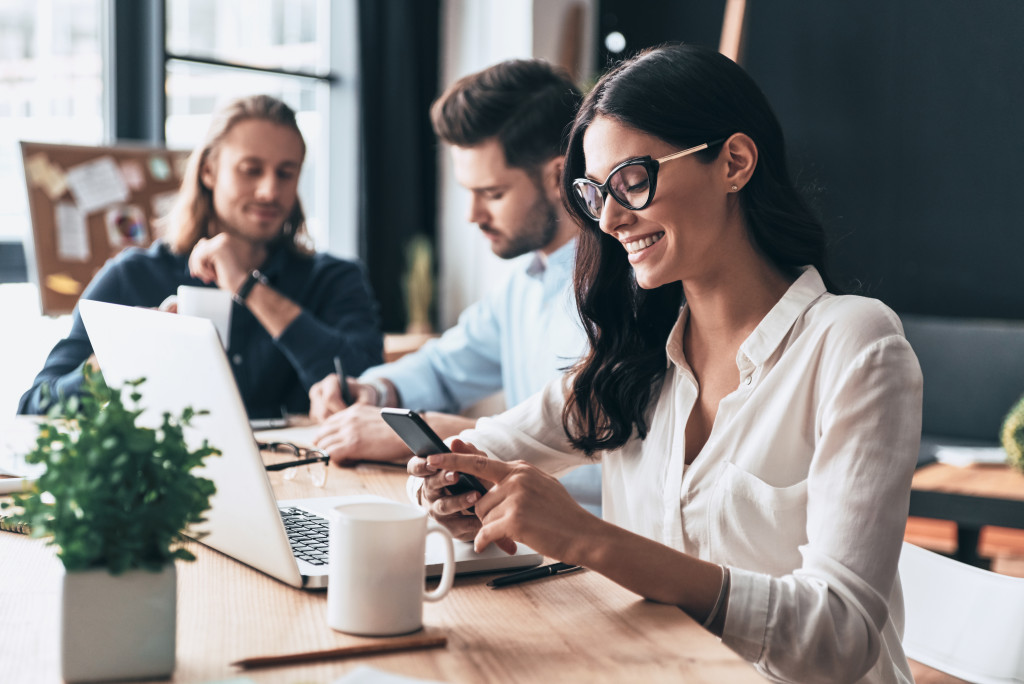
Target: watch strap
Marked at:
255, 276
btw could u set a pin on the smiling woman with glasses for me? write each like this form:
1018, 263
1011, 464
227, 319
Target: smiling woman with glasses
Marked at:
757, 431
632, 183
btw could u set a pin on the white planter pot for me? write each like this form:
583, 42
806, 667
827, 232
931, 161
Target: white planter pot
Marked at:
118, 626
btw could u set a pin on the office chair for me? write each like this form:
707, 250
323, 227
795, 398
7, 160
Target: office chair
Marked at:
962, 620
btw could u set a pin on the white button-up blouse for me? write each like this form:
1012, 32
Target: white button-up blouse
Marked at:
802, 488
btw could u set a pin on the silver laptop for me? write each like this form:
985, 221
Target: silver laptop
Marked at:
184, 364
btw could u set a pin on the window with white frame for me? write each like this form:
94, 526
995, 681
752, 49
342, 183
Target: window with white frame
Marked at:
53, 86
51, 89
220, 50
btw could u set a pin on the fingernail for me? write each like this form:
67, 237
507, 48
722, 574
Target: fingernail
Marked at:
472, 497
434, 460
450, 476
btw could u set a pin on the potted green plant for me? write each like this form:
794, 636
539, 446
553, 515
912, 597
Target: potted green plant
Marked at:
1012, 435
114, 499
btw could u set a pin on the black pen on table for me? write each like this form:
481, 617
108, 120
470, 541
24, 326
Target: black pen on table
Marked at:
532, 574
346, 395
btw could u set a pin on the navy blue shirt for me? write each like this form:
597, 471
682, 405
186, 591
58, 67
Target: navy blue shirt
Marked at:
339, 318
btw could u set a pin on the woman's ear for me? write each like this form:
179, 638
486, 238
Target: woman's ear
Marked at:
740, 155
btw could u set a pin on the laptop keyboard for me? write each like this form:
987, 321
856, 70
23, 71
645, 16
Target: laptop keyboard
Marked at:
307, 533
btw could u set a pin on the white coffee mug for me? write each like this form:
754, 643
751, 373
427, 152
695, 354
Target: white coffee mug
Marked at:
207, 302
377, 568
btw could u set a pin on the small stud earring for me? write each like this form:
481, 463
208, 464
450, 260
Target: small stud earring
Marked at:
734, 188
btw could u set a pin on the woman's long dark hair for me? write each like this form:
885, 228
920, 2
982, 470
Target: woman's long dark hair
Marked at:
685, 95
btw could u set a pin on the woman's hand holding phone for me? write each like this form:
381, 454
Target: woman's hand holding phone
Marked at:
450, 498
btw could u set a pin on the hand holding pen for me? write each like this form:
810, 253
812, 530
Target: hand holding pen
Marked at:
346, 394
532, 574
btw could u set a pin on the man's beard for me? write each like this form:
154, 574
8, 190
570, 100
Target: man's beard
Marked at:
536, 231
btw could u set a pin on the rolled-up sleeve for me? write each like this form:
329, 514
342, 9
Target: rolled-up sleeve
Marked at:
835, 606
454, 371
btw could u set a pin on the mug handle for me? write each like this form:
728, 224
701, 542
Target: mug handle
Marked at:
448, 573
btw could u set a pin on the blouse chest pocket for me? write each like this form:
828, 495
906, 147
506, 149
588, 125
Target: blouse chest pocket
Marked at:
757, 525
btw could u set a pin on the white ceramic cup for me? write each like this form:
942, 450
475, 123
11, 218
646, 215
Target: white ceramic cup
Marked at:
207, 302
377, 568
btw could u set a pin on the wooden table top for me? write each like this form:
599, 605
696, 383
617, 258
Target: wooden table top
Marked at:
994, 481
572, 628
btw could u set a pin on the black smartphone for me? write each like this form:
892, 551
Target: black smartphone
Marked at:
423, 441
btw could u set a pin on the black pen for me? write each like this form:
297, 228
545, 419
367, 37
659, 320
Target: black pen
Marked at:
532, 574
346, 396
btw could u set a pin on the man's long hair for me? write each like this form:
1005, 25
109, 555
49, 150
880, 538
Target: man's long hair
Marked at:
193, 212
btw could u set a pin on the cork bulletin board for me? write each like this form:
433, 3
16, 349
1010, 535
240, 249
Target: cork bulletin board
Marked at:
89, 203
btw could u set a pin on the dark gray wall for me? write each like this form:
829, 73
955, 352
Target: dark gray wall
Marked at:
906, 118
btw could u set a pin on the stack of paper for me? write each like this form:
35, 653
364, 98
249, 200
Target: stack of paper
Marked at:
965, 456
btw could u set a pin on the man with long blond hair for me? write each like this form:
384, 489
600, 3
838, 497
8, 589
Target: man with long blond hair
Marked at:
239, 226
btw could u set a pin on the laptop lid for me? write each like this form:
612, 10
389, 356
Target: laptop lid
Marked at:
184, 364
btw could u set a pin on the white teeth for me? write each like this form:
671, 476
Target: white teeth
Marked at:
643, 243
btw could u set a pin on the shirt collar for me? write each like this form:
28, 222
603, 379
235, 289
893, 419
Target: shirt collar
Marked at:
768, 334
558, 264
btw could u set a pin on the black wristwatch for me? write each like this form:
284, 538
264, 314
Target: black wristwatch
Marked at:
255, 276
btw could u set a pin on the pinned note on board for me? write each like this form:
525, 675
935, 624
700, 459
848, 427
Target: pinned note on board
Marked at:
72, 233
62, 283
96, 184
126, 227
134, 177
163, 204
158, 168
42, 173
109, 199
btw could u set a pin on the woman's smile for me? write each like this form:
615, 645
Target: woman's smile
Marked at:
639, 248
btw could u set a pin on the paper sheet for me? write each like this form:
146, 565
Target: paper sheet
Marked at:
299, 436
364, 674
133, 175
158, 168
163, 203
126, 226
96, 184
72, 233
62, 283
43, 173
965, 456
17, 437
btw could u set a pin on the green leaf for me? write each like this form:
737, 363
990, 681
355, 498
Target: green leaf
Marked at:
113, 494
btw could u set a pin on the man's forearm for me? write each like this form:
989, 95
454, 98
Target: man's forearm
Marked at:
448, 424
273, 310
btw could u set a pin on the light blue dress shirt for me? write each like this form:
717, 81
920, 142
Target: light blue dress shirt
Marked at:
519, 337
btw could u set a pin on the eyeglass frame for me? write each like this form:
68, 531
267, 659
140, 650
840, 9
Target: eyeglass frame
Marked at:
299, 451
650, 165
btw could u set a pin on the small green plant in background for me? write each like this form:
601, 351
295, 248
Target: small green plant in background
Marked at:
114, 494
1013, 435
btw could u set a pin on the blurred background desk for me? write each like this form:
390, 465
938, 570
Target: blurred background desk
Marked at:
397, 345
972, 497
576, 628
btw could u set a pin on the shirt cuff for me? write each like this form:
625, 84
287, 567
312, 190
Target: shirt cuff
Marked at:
412, 489
746, 613
413, 392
